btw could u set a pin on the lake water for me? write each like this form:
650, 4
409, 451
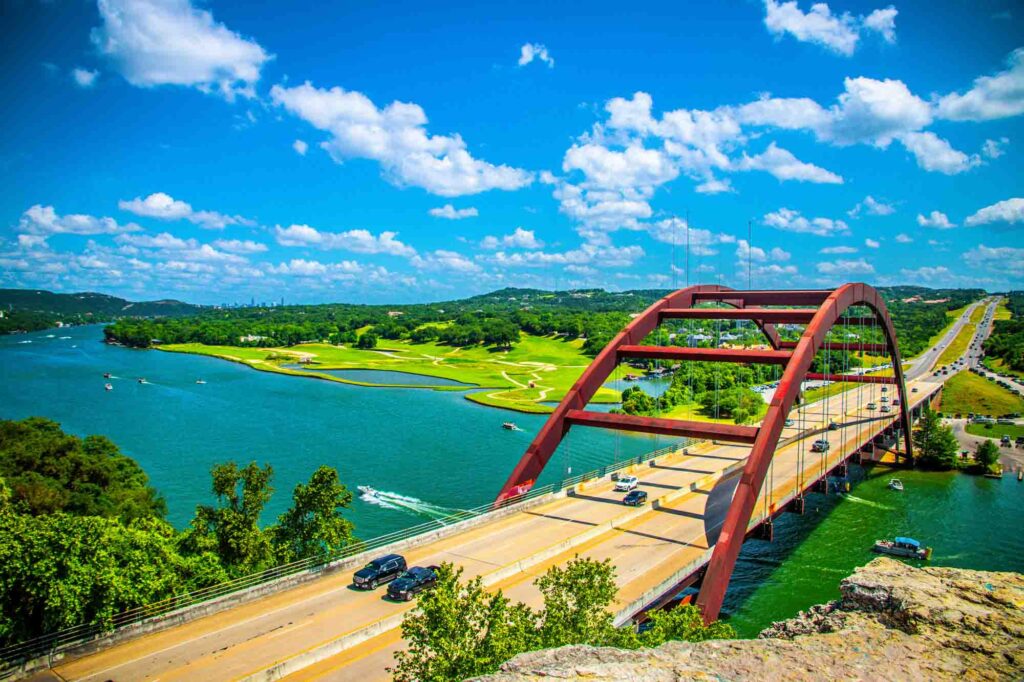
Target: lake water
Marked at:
435, 450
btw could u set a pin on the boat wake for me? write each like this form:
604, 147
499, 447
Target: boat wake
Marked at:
414, 505
869, 503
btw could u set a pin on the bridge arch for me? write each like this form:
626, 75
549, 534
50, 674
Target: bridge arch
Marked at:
819, 310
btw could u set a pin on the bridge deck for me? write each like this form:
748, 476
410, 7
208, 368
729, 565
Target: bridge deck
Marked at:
652, 547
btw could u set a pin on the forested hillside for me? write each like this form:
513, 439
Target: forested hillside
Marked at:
34, 309
493, 319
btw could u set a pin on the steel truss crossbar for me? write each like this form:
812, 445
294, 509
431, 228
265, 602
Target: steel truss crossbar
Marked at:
852, 347
831, 309
852, 378
776, 315
666, 427
768, 357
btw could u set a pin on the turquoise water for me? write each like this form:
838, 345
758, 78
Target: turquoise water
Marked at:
969, 521
434, 451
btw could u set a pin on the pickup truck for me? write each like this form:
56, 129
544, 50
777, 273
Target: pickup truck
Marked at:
412, 582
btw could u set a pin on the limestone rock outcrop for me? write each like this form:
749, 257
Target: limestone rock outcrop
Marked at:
893, 622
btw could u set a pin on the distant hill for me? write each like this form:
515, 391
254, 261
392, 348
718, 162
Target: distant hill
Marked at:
34, 309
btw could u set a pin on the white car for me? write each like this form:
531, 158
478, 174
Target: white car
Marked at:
626, 483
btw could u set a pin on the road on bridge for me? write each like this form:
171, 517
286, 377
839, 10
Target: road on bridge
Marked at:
356, 632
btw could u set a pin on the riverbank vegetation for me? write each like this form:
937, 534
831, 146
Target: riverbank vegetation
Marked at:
523, 347
460, 630
935, 445
83, 535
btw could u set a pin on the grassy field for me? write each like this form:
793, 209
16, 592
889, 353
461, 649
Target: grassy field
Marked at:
952, 317
549, 363
995, 430
955, 350
998, 366
1002, 312
967, 392
977, 314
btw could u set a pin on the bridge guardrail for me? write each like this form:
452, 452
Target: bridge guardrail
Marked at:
55, 643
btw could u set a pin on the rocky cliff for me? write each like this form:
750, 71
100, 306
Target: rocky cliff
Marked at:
893, 622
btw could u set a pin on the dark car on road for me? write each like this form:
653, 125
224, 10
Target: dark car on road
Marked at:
380, 570
635, 498
412, 582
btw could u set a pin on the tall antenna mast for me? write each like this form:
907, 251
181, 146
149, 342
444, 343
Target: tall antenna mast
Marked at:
750, 251
673, 265
687, 247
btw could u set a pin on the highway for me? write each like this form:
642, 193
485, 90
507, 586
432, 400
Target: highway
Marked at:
355, 633
923, 363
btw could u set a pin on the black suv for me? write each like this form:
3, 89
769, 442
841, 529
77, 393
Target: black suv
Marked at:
635, 498
380, 570
413, 581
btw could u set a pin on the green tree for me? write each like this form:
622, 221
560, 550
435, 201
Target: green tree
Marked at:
682, 623
987, 453
576, 601
314, 524
231, 529
460, 631
367, 340
58, 570
935, 445
50, 471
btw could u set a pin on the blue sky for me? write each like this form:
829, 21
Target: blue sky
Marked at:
220, 151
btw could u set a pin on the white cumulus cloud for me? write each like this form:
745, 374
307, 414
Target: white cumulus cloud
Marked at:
357, 241
535, 51
84, 78
789, 220
519, 239
836, 32
396, 137
170, 42
300, 147
449, 212
784, 166
163, 206
991, 97
1007, 211
936, 219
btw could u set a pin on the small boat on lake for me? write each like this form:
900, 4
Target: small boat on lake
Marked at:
367, 490
510, 426
896, 484
109, 387
200, 381
106, 375
142, 380
902, 547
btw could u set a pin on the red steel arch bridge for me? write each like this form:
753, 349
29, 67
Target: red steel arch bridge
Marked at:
820, 311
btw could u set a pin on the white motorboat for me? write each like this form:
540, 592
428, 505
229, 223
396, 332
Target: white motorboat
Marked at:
896, 484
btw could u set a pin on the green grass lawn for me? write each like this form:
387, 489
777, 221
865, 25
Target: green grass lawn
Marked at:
955, 350
976, 315
1002, 312
967, 392
995, 430
952, 317
551, 364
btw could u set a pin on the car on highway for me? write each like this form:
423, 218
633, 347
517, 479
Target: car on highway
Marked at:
1005, 441
885, 408
412, 582
895, 402
635, 498
626, 483
788, 422
872, 406
820, 445
832, 426
914, 389
380, 570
